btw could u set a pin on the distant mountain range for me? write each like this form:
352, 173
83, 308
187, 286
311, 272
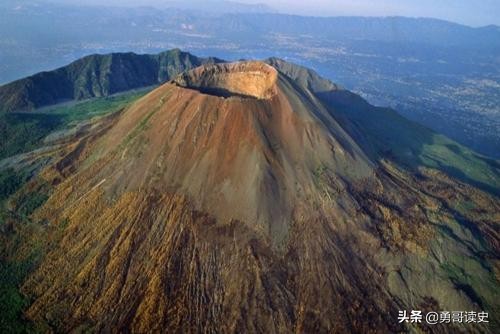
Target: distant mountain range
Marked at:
96, 76
215, 6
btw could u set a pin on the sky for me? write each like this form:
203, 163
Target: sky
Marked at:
469, 12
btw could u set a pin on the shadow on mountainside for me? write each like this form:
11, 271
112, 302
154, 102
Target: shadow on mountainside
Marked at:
383, 133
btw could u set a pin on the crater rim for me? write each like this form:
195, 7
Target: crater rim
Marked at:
244, 79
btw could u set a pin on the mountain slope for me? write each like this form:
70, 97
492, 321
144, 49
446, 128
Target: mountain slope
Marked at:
95, 76
254, 197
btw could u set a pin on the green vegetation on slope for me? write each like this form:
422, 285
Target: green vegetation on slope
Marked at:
12, 302
392, 136
13, 266
10, 182
23, 132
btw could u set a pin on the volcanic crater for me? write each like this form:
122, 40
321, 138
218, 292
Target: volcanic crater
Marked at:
251, 79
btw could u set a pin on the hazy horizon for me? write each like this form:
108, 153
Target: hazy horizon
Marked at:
465, 12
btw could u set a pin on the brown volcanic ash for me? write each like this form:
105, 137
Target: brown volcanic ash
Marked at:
231, 200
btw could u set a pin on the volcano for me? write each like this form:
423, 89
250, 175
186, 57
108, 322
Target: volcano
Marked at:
258, 197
